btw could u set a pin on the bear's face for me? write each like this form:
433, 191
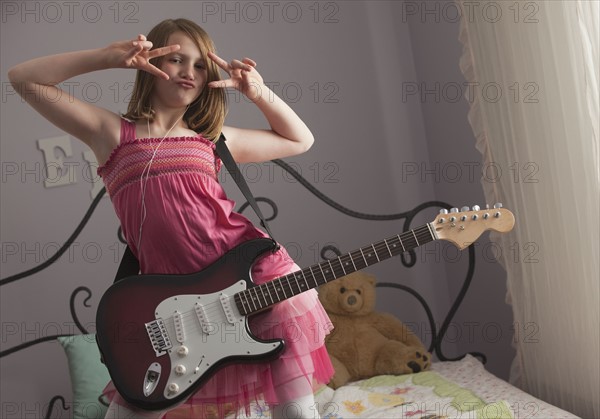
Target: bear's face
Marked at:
353, 295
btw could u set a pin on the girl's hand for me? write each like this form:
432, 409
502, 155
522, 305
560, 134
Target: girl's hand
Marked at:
242, 76
137, 54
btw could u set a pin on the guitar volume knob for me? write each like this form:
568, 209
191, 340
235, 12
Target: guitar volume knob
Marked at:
182, 351
173, 388
180, 369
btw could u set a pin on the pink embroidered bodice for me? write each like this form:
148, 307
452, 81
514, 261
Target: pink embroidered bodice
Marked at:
189, 221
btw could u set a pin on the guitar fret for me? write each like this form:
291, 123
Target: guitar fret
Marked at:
283, 288
286, 285
253, 299
430, 230
261, 294
305, 281
363, 256
331, 267
352, 260
339, 272
342, 266
245, 305
276, 291
269, 292
401, 244
299, 281
322, 273
313, 275
388, 248
246, 295
357, 263
291, 284
413, 232
376, 255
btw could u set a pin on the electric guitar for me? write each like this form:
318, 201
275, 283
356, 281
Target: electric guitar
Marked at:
163, 336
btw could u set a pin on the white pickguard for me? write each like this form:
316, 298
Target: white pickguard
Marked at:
203, 330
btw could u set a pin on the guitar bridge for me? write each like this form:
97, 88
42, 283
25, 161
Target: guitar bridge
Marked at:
158, 336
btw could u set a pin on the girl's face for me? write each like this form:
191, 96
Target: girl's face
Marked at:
187, 73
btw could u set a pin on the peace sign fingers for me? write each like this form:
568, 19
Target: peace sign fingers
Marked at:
242, 75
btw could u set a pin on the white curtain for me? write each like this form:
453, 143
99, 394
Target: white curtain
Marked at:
532, 68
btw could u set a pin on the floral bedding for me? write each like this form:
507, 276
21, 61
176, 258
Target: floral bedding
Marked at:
461, 389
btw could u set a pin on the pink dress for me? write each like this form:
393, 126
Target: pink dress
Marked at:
189, 224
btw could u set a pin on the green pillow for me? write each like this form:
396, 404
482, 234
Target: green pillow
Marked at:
88, 375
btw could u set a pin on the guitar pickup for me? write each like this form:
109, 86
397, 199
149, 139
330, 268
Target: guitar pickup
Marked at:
203, 319
226, 304
158, 336
179, 331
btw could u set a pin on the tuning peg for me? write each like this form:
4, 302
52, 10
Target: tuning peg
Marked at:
463, 209
453, 209
498, 205
476, 208
487, 206
443, 211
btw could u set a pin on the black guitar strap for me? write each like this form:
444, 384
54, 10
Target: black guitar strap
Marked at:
130, 266
234, 171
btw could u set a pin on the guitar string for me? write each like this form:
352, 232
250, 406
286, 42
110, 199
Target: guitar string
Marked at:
298, 277
191, 316
216, 307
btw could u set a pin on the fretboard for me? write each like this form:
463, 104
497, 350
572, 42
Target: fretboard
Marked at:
265, 295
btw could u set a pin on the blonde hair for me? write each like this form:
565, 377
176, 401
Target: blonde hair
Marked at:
206, 114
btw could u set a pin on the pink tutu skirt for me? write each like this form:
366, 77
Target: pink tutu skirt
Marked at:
303, 324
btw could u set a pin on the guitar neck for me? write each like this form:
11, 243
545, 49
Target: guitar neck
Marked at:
265, 295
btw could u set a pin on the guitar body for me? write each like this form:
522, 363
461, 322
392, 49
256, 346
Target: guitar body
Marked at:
163, 336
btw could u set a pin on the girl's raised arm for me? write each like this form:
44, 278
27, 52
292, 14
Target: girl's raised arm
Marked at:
288, 135
35, 81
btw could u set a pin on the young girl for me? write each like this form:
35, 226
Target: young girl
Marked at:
159, 166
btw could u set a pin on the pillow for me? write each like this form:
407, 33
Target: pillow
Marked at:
88, 375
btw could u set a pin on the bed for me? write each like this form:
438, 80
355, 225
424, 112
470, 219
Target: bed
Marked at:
457, 388
451, 389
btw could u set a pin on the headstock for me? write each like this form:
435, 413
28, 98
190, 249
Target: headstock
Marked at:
465, 226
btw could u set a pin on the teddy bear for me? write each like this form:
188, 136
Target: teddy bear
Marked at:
365, 343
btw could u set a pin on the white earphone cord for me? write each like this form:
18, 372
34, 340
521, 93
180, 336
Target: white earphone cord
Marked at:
146, 172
